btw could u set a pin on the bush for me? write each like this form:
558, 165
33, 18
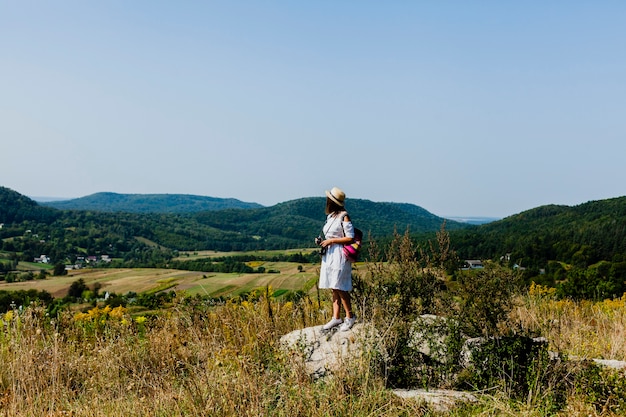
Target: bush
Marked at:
485, 299
604, 389
401, 283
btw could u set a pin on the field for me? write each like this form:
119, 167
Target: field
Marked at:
121, 281
185, 256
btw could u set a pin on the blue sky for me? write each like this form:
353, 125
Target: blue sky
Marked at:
464, 108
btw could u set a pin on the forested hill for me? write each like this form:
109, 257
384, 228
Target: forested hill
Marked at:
16, 208
554, 243
293, 224
302, 219
149, 203
580, 235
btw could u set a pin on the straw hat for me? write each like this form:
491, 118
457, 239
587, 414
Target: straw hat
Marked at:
336, 195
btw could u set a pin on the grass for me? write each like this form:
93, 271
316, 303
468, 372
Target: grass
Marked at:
186, 256
582, 329
195, 361
33, 266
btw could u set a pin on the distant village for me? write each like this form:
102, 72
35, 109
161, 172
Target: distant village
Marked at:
81, 261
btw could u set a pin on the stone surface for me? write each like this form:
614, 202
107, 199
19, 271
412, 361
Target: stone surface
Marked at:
429, 335
609, 363
324, 352
437, 399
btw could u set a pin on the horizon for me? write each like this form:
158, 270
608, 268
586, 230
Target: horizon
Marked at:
485, 109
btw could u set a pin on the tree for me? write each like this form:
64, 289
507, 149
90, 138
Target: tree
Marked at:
77, 288
59, 269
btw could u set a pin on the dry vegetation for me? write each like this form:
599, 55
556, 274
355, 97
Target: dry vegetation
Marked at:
582, 329
193, 360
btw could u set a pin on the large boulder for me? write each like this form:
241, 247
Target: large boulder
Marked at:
432, 336
325, 351
474, 350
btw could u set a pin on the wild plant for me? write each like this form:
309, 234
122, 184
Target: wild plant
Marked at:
402, 282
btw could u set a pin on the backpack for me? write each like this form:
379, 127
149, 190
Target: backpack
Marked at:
352, 250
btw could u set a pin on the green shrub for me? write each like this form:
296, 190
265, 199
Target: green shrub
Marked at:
603, 388
485, 298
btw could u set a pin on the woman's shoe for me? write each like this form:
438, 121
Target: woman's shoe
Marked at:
348, 323
334, 322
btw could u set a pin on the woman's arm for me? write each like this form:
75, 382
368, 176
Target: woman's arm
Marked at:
338, 240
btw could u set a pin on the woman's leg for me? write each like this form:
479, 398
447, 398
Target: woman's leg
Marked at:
336, 303
344, 296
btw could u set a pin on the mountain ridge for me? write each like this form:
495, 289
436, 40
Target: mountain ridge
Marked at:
290, 224
148, 203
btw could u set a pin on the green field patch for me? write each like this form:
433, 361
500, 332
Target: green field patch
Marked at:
280, 292
33, 266
149, 242
224, 291
164, 284
166, 280
191, 255
159, 288
154, 280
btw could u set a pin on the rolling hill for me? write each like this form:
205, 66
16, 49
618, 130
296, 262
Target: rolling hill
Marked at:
292, 224
148, 203
581, 235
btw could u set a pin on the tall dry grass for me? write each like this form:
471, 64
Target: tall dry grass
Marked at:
198, 360
583, 329
190, 360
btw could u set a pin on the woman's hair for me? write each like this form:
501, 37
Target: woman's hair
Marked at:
332, 207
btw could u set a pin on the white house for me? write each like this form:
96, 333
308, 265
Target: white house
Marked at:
43, 259
473, 264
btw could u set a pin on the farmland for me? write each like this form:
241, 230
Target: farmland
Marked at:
289, 277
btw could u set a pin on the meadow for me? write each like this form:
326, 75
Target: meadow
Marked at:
198, 358
191, 360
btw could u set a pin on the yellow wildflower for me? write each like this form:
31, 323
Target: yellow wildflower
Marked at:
8, 316
118, 312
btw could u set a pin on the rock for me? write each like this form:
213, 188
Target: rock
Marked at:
610, 363
438, 399
429, 336
324, 351
477, 344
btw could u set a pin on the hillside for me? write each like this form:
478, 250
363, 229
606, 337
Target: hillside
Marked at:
146, 238
16, 208
580, 249
583, 234
584, 245
302, 219
149, 203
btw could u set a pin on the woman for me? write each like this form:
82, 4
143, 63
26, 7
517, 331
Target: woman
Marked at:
336, 270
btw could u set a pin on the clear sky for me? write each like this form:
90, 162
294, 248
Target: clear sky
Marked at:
465, 108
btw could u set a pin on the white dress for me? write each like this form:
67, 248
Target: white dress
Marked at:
336, 270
